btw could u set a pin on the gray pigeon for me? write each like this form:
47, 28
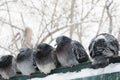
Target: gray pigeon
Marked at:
25, 61
103, 47
70, 52
45, 58
7, 66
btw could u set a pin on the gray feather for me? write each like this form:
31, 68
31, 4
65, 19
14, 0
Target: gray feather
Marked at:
25, 61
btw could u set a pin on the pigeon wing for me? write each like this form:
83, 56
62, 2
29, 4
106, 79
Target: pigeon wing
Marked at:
79, 52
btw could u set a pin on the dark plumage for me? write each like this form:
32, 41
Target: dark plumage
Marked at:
70, 52
45, 58
25, 61
103, 47
7, 66
6, 61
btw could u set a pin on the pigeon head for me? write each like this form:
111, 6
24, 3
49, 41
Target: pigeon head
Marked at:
6, 61
43, 49
100, 45
62, 41
25, 50
24, 53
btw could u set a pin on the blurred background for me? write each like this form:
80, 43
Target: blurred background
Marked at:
26, 23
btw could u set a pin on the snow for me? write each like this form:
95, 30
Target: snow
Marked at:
100, 37
83, 73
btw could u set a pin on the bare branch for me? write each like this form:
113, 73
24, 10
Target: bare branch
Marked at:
48, 35
13, 26
109, 15
7, 50
11, 23
54, 11
22, 19
101, 21
57, 30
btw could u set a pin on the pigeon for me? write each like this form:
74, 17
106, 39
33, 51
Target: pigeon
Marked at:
102, 48
25, 61
45, 58
7, 66
70, 52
